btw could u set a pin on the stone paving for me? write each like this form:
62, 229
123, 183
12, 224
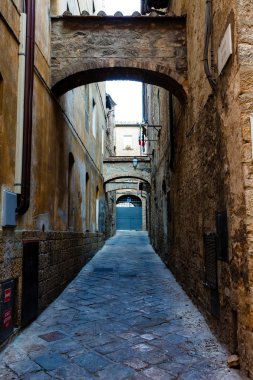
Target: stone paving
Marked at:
123, 317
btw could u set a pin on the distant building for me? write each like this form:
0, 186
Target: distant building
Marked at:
129, 140
110, 147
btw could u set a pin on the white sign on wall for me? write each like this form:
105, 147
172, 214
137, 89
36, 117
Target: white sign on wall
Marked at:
225, 49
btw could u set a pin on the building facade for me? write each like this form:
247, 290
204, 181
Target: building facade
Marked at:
202, 184
129, 140
52, 196
52, 148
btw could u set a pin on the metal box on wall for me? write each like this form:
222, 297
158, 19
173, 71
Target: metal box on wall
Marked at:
6, 308
9, 200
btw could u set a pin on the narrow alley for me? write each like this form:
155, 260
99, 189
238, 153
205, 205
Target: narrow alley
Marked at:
123, 317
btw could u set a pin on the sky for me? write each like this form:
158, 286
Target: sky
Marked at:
127, 7
127, 95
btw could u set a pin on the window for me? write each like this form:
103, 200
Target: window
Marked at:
87, 202
159, 108
128, 142
129, 201
53, 7
94, 118
87, 107
97, 209
1, 94
103, 140
71, 209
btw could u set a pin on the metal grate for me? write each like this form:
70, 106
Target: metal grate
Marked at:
210, 260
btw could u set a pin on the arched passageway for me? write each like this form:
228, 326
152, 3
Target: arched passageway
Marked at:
91, 49
122, 167
129, 212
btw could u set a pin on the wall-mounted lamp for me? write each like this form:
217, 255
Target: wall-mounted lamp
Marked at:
135, 162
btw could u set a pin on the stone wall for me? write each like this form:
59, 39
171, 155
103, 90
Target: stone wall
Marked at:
110, 207
90, 49
122, 167
158, 147
213, 172
61, 256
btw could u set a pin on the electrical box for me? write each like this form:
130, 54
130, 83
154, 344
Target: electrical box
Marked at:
9, 209
6, 308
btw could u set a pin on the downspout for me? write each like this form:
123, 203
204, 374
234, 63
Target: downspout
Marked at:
24, 197
20, 104
208, 33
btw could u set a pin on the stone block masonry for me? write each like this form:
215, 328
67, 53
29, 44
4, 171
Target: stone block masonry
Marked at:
93, 49
61, 256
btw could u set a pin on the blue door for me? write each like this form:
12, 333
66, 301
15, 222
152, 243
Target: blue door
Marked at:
129, 218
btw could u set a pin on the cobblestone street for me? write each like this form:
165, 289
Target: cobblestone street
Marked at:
123, 317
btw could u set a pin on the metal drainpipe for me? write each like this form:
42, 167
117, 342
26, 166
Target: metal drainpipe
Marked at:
24, 197
208, 33
20, 104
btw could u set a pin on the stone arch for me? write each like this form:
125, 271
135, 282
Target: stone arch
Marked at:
91, 49
112, 185
110, 179
122, 167
112, 69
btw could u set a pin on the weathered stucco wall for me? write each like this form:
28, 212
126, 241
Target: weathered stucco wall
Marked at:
66, 146
127, 140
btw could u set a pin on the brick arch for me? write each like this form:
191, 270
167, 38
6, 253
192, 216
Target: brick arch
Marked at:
146, 72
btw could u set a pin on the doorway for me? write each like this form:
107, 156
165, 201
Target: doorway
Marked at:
30, 281
129, 213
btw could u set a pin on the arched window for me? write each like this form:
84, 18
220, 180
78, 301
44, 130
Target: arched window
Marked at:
94, 118
87, 107
129, 200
